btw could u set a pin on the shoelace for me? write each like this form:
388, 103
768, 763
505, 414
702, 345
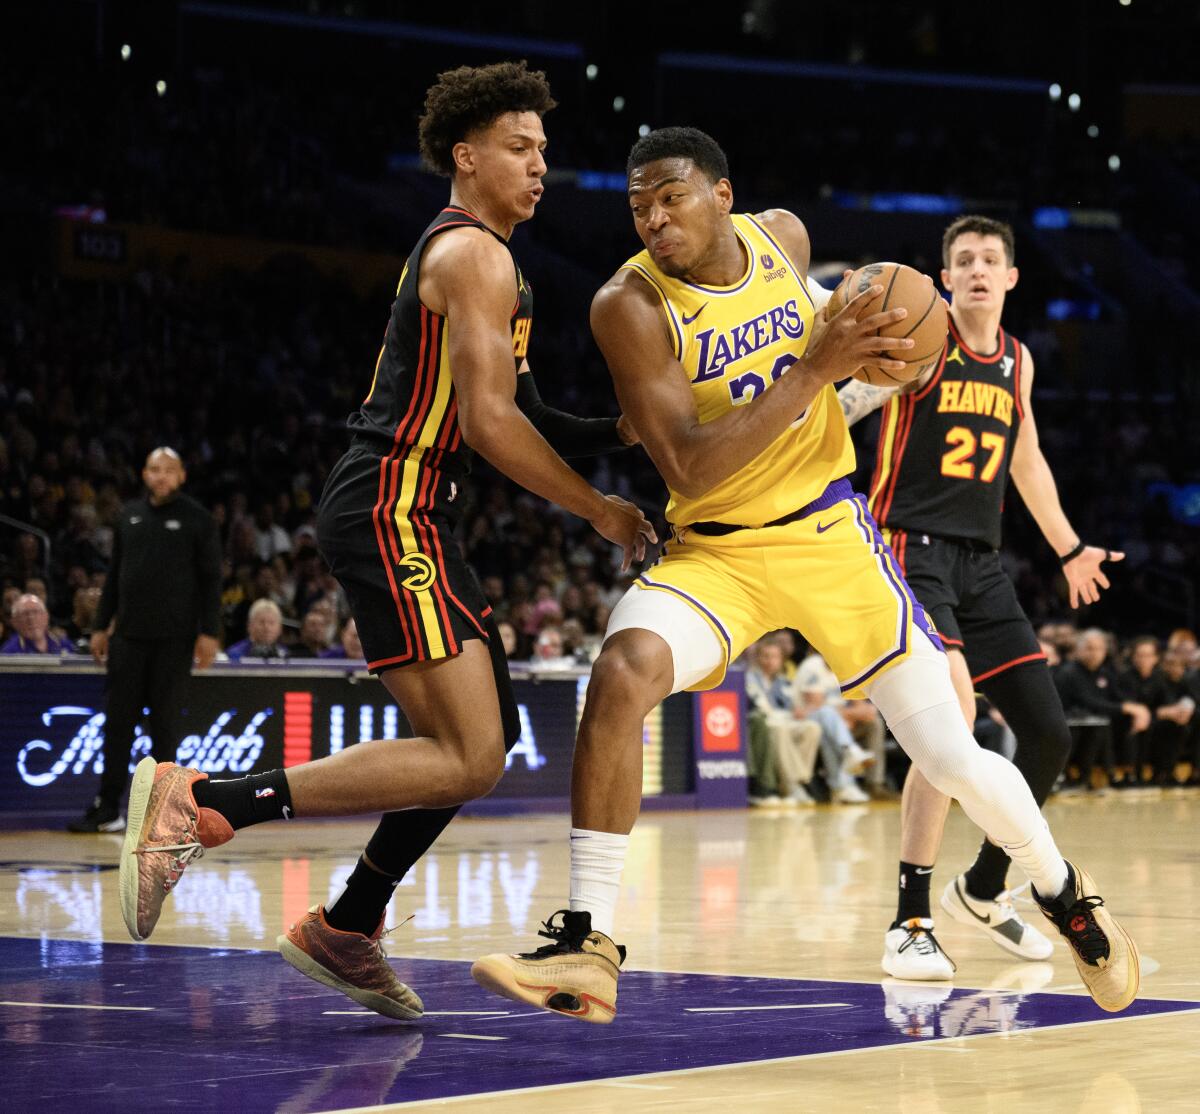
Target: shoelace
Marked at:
923, 942
563, 939
1087, 937
189, 851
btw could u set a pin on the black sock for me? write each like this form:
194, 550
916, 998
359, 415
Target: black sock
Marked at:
247, 800
987, 875
359, 907
914, 893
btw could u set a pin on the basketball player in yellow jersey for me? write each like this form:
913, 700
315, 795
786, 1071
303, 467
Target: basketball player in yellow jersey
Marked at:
725, 368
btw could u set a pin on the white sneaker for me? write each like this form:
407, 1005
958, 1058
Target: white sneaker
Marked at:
801, 798
998, 919
855, 760
912, 952
771, 801
850, 795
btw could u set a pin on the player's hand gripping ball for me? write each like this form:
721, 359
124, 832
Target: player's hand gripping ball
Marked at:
926, 323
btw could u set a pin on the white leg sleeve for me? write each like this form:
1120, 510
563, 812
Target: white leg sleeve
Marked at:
695, 649
918, 701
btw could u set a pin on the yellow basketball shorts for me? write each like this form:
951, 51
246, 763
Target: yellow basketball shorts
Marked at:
829, 575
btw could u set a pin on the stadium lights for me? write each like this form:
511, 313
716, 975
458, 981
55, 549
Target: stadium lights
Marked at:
1114, 163
644, 130
1055, 91
592, 71
160, 87
618, 103
126, 52
1093, 131
1074, 101
1124, 3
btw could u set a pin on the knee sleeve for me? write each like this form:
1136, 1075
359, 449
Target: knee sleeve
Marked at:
918, 701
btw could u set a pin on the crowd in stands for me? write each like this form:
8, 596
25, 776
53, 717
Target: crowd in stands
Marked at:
1131, 708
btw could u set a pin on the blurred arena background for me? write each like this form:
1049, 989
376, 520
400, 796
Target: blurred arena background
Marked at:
204, 208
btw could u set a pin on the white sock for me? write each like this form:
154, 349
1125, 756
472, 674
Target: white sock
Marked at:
597, 859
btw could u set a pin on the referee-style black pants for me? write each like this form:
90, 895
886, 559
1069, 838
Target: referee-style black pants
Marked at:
142, 673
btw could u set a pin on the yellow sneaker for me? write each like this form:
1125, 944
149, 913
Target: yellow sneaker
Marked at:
1104, 952
576, 975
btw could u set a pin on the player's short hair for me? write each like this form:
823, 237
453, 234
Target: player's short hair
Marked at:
468, 99
680, 143
981, 226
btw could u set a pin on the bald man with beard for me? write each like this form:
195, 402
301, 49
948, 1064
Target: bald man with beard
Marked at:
159, 612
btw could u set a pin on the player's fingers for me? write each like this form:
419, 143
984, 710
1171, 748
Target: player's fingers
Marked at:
886, 365
886, 344
882, 320
1102, 580
1114, 555
627, 557
649, 532
859, 302
1074, 596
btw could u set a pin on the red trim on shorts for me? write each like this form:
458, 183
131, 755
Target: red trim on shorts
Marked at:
1039, 656
422, 528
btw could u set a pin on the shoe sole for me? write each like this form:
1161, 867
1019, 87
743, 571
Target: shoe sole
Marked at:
964, 916
139, 797
501, 980
380, 1003
914, 978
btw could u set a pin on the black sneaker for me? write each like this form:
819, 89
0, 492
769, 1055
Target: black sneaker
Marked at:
100, 817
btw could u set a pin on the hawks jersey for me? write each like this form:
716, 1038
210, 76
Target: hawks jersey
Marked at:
944, 451
411, 407
734, 342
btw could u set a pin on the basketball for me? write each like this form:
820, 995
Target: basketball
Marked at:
926, 322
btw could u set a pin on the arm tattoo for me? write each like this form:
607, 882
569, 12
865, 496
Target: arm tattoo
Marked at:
859, 399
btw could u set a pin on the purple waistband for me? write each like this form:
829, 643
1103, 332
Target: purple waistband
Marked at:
831, 496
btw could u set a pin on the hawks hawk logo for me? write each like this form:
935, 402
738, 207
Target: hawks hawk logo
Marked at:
422, 572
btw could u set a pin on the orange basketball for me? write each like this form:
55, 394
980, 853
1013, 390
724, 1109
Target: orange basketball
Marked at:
926, 322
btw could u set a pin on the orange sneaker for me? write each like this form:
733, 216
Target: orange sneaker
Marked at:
350, 962
166, 831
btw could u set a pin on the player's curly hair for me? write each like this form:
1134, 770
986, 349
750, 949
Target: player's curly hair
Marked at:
471, 97
981, 226
680, 143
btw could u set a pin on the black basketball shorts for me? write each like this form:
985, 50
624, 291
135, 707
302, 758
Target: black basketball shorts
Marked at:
385, 528
971, 600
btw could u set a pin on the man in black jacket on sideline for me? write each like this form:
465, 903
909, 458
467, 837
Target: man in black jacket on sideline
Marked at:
1090, 687
159, 611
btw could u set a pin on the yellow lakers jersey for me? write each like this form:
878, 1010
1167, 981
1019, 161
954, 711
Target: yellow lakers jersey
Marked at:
734, 342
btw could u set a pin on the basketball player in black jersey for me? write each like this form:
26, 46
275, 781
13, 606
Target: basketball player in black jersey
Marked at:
445, 383
947, 446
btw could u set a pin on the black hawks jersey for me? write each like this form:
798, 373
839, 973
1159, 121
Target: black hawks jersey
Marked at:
941, 465
411, 409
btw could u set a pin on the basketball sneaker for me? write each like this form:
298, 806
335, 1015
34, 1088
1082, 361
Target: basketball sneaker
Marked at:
911, 951
997, 919
576, 975
350, 962
1104, 953
167, 830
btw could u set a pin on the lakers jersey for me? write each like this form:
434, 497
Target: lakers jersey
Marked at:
734, 343
944, 451
411, 406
